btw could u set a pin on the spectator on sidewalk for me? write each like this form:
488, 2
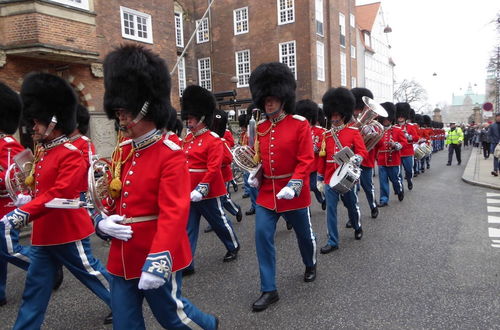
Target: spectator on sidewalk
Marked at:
485, 140
454, 140
494, 135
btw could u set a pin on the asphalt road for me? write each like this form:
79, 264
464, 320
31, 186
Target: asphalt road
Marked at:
426, 262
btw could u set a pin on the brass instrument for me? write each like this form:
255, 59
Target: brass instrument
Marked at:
371, 130
18, 172
246, 157
99, 177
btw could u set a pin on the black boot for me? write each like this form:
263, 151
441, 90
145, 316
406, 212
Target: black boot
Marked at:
401, 196
310, 274
358, 234
266, 299
239, 215
108, 319
328, 248
231, 255
374, 212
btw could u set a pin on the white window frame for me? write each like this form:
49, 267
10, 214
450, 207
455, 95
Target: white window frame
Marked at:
84, 4
320, 61
181, 75
353, 51
287, 58
343, 69
202, 31
241, 21
205, 73
288, 7
179, 29
342, 30
318, 7
353, 82
242, 68
352, 20
136, 14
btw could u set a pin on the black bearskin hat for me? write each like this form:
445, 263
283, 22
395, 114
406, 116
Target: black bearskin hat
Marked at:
132, 76
391, 112
419, 120
219, 122
45, 95
273, 79
308, 109
82, 119
243, 120
198, 102
426, 120
339, 100
321, 118
411, 116
172, 119
10, 110
358, 93
403, 110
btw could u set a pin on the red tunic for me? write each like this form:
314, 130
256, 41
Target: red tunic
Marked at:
317, 135
60, 173
286, 153
6, 142
227, 159
407, 149
155, 182
82, 143
349, 137
386, 156
228, 136
204, 154
243, 139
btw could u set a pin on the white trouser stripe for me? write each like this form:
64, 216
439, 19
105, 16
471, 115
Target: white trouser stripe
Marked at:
312, 235
231, 202
180, 306
88, 267
10, 247
357, 208
231, 233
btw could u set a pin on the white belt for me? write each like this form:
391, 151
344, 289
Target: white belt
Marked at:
139, 219
330, 161
198, 170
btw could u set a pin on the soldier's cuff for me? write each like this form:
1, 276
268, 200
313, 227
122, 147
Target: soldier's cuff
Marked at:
18, 218
296, 186
203, 189
159, 264
98, 217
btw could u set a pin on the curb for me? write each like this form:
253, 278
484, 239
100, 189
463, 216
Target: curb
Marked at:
467, 178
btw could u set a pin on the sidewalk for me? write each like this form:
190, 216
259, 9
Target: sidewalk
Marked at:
478, 171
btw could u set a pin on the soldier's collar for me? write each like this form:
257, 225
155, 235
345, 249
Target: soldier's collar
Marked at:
2, 135
200, 131
336, 129
147, 139
279, 118
74, 137
54, 143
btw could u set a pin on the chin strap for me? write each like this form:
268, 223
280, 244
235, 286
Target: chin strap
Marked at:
50, 128
138, 118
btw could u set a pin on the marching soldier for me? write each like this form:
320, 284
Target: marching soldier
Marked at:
284, 145
59, 236
411, 134
149, 246
388, 155
172, 130
204, 153
338, 104
426, 136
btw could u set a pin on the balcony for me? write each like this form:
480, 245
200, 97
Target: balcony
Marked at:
50, 30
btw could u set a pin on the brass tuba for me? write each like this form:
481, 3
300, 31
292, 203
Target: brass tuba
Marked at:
371, 130
17, 173
99, 176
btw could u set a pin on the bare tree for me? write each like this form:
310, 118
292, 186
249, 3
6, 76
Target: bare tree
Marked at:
494, 71
410, 91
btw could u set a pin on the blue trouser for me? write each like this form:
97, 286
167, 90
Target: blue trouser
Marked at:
313, 179
386, 173
210, 209
423, 161
228, 203
350, 200
11, 251
251, 190
265, 230
407, 166
366, 182
170, 309
78, 259
416, 165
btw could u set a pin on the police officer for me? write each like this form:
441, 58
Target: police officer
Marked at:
454, 141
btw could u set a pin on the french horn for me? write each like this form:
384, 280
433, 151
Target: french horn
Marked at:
17, 172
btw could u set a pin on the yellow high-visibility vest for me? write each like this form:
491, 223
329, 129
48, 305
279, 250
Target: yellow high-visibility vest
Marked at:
455, 137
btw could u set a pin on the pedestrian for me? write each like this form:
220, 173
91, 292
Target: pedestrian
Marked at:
284, 146
485, 140
494, 136
149, 245
454, 140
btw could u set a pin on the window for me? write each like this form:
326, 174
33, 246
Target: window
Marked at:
243, 67
179, 31
202, 34
342, 29
319, 17
353, 82
343, 69
286, 11
82, 4
181, 75
204, 75
240, 20
320, 59
353, 51
368, 42
136, 25
352, 19
287, 55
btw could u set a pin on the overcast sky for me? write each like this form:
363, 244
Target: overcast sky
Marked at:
453, 38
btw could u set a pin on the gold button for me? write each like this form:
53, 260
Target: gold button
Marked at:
137, 154
124, 205
39, 166
127, 182
125, 194
133, 163
130, 172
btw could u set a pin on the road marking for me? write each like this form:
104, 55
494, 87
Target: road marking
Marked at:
496, 241
493, 219
494, 232
493, 209
492, 195
492, 201
495, 245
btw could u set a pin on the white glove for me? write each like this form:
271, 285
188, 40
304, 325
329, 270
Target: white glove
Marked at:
196, 196
111, 227
252, 180
22, 199
149, 281
6, 223
321, 186
286, 193
356, 160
